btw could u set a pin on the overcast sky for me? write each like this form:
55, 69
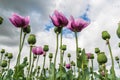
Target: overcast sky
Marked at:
102, 14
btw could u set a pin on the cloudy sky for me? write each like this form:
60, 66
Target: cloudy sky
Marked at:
102, 14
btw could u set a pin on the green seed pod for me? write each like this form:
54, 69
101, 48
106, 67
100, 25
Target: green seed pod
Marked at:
4, 63
35, 56
46, 48
27, 30
10, 56
69, 55
72, 63
38, 67
63, 47
117, 58
6, 54
31, 39
3, 51
119, 44
97, 50
92, 56
57, 30
105, 35
79, 50
50, 55
1, 20
118, 30
101, 58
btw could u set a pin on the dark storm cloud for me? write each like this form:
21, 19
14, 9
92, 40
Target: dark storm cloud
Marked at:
38, 10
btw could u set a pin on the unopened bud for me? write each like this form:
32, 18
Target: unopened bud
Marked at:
31, 39
105, 35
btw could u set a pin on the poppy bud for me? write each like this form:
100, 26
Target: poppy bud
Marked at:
118, 30
117, 58
68, 66
10, 56
27, 30
119, 44
101, 58
1, 20
50, 55
31, 39
4, 63
25, 59
46, 48
69, 55
92, 56
63, 47
105, 35
79, 50
38, 67
97, 50
3, 51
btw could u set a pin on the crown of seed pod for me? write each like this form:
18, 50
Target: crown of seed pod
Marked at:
46, 48
57, 30
105, 35
50, 55
2, 51
63, 47
10, 56
27, 30
1, 20
31, 39
117, 58
4, 63
97, 50
101, 58
69, 55
118, 30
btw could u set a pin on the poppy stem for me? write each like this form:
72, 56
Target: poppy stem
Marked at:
55, 55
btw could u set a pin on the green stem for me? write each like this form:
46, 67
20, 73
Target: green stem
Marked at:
30, 57
37, 61
21, 46
18, 58
43, 69
32, 66
61, 55
8, 64
55, 56
76, 38
92, 69
112, 60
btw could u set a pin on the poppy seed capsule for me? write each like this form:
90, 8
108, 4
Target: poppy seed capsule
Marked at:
117, 58
38, 67
31, 39
69, 55
50, 55
92, 56
79, 50
1, 20
4, 63
27, 30
101, 58
6, 54
63, 47
57, 30
118, 30
10, 56
46, 48
3, 51
105, 35
97, 50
